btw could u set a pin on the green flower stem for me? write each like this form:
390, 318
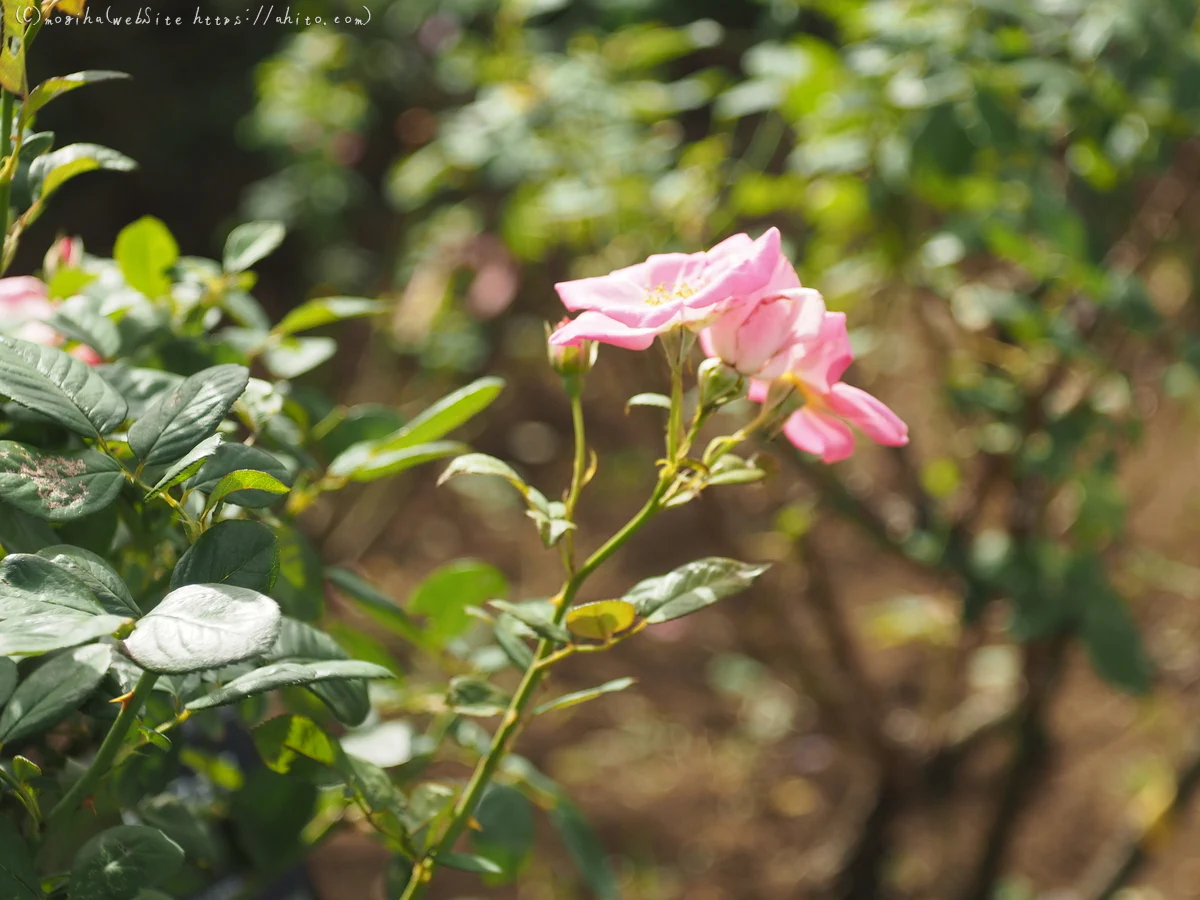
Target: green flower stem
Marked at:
6, 149
514, 716
578, 473
108, 750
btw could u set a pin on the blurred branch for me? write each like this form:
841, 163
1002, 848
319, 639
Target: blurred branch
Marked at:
1127, 853
1042, 664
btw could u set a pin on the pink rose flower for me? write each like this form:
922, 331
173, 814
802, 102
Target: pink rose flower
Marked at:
631, 306
759, 336
64, 253
819, 427
25, 302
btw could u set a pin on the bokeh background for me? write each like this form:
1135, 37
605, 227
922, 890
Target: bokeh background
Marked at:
972, 671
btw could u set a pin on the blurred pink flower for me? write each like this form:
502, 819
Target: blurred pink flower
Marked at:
25, 302
631, 306
64, 253
816, 368
758, 337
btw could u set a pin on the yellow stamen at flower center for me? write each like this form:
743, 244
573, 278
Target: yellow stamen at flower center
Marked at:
660, 294
811, 397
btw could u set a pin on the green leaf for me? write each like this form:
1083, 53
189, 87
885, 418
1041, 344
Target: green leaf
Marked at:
185, 826
471, 695
447, 414
117, 863
283, 740
79, 319
60, 387
100, 578
54, 691
324, 311
56, 87
691, 587
249, 243
507, 632
601, 620
8, 679
52, 170
245, 480
187, 465
237, 552
291, 357
45, 632
30, 585
577, 697
287, 674
58, 487
301, 643
538, 616
12, 52
466, 862
375, 603
363, 463
662, 401
443, 597
234, 457
145, 250
482, 464
18, 879
300, 587
22, 533
139, 387
204, 626
1114, 643
585, 849
506, 829
180, 420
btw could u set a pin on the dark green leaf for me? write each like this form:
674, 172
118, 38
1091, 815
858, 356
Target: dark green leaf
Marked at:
538, 616
234, 457
237, 552
447, 414
300, 643
60, 387
204, 626
288, 674
117, 863
180, 420
506, 828
30, 585
470, 695
79, 319
8, 679
375, 603
58, 487
18, 880
101, 579
1114, 643
585, 849
54, 691
45, 632
140, 387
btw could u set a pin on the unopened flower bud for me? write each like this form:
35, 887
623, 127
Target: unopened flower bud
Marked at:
719, 383
64, 253
571, 362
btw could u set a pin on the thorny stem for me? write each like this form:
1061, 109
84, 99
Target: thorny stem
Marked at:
103, 760
545, 656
